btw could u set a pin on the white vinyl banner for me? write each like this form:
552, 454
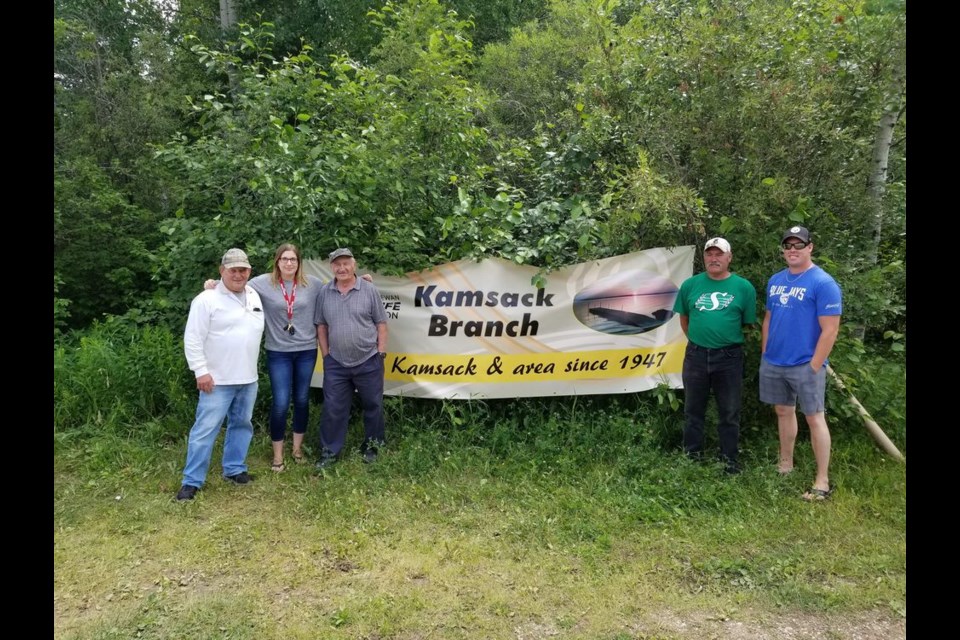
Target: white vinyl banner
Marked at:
482, 330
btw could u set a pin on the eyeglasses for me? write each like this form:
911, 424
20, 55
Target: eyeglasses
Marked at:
289, 260
794, 245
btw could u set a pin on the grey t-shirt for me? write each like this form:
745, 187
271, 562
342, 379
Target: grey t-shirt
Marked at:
351, 320
304, 335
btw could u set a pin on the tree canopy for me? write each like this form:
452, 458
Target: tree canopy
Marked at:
421, 131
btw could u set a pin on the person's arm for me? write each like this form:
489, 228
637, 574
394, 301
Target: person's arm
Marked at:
764, 330
749, 317
210, 283
367, 277
322, 340
829, 329
685, 324
382, 337
194, 336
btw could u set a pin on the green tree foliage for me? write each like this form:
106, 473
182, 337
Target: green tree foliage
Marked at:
334, 27
116, 89
771, 113
695, 118
91, 214
331, 27
494, 19
583, 158
326, 155
422, 131
533, 75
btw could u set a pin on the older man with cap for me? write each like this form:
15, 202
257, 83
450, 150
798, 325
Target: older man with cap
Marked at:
222, 342
352, 332
799, 329
713, 307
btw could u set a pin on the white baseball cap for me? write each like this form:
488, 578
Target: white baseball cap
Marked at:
719, 243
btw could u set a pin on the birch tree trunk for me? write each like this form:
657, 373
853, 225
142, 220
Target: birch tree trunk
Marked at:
228, 15
228, 20
894, 101
877, 183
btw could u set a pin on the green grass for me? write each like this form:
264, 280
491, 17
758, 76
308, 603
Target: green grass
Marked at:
531, 519
446, 537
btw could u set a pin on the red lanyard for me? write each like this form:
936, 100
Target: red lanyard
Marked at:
289, 299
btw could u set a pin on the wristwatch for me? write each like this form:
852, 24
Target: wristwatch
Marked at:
383, 354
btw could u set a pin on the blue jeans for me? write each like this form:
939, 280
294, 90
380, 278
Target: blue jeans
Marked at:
235, 403
719, 371
339, 383
290, 371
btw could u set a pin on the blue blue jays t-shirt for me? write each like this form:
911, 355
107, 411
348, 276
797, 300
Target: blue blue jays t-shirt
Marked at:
795, 303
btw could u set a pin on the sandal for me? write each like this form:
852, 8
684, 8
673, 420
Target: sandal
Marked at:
278, 467
298, 457
817, 495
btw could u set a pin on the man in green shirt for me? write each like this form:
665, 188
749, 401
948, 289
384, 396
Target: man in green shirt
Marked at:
713, 307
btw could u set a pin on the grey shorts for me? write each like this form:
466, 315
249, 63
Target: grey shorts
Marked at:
784, 385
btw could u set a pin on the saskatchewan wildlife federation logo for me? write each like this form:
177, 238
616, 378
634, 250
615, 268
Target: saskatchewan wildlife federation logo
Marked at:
391, 304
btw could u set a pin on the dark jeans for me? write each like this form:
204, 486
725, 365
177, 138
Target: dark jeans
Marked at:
339, 383
720, 371
290, 371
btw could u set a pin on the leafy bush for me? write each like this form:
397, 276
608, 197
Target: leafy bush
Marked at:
117, 375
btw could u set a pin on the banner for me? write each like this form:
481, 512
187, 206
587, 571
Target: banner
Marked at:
482, 330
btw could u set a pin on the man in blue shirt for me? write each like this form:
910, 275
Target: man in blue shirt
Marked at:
800, 327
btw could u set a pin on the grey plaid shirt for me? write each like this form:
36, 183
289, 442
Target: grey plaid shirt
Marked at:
351, 321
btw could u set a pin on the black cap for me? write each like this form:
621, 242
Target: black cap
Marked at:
796, 232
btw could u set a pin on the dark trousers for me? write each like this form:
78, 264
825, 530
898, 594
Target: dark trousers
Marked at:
719, 371
339, 383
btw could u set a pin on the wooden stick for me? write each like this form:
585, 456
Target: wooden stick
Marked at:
868, 421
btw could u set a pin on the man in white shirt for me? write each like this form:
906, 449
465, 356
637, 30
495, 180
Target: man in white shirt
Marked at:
222, 342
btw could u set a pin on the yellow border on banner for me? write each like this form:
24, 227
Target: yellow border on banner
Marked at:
534, 367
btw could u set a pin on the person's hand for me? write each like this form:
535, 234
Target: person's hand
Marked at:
210, 284
205, 383
367, 277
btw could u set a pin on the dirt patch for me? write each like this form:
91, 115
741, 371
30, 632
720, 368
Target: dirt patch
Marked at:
873, 625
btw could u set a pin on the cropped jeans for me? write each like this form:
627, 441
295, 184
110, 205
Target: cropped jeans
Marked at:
720, 371
290, 375
235, 403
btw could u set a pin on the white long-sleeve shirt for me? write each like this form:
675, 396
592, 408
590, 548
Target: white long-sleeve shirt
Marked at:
222, 336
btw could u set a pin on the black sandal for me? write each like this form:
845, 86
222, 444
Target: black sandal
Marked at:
817, 495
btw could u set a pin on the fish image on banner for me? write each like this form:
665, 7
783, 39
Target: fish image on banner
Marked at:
627, 303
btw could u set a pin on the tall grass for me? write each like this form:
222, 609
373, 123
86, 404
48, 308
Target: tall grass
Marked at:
116, 376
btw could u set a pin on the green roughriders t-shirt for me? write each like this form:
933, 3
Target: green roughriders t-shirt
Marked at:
717, 309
